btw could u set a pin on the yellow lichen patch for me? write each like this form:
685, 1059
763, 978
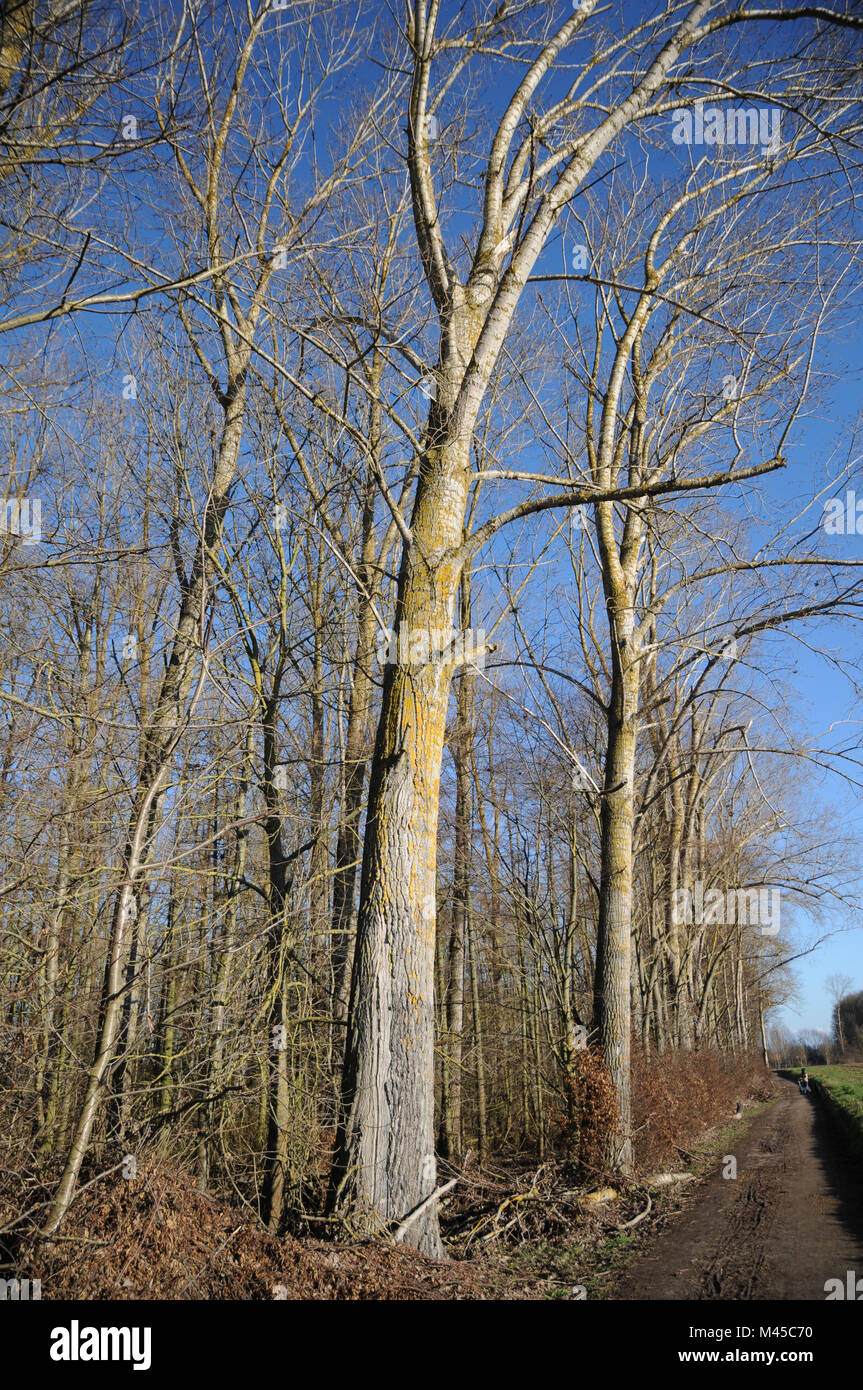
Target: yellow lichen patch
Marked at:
604, 1194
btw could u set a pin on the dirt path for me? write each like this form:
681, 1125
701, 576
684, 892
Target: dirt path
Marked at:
792, 1219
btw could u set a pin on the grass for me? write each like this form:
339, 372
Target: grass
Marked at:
571, 1264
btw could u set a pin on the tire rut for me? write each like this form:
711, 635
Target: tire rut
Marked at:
792, 1218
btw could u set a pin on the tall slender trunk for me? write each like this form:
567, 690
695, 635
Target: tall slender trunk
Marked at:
742, 1030
571, 1018
764, 1051
223, 954
69, 859
369, 569
385, 1161
495, 956
167, 1022
524, 1028
613, 946
355, 761
481, 1104
275, 1156
48, 1002
119, 1100
451, 1125
680, 1011
536, 1042
319, 857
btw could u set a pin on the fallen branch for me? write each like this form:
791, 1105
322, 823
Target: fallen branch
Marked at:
604, 1194
665, 1179
635, 1220
398, 1234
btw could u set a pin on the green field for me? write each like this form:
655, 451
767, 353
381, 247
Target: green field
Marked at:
841, 1088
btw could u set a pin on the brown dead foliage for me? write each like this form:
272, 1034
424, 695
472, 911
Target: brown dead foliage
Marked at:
676, 1096
157, 1237
590, 1112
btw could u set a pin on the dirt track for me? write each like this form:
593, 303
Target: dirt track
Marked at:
792, 1219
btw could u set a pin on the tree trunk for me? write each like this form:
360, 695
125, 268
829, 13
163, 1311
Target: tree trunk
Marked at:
481, 1105
275, 1156
355, 760
385, 1163
451, 1126
222, 954
613, 946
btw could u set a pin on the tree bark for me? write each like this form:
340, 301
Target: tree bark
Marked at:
613, 946
451, 1126
385, 1161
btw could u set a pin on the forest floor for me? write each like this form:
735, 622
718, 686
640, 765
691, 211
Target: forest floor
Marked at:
791, 1219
